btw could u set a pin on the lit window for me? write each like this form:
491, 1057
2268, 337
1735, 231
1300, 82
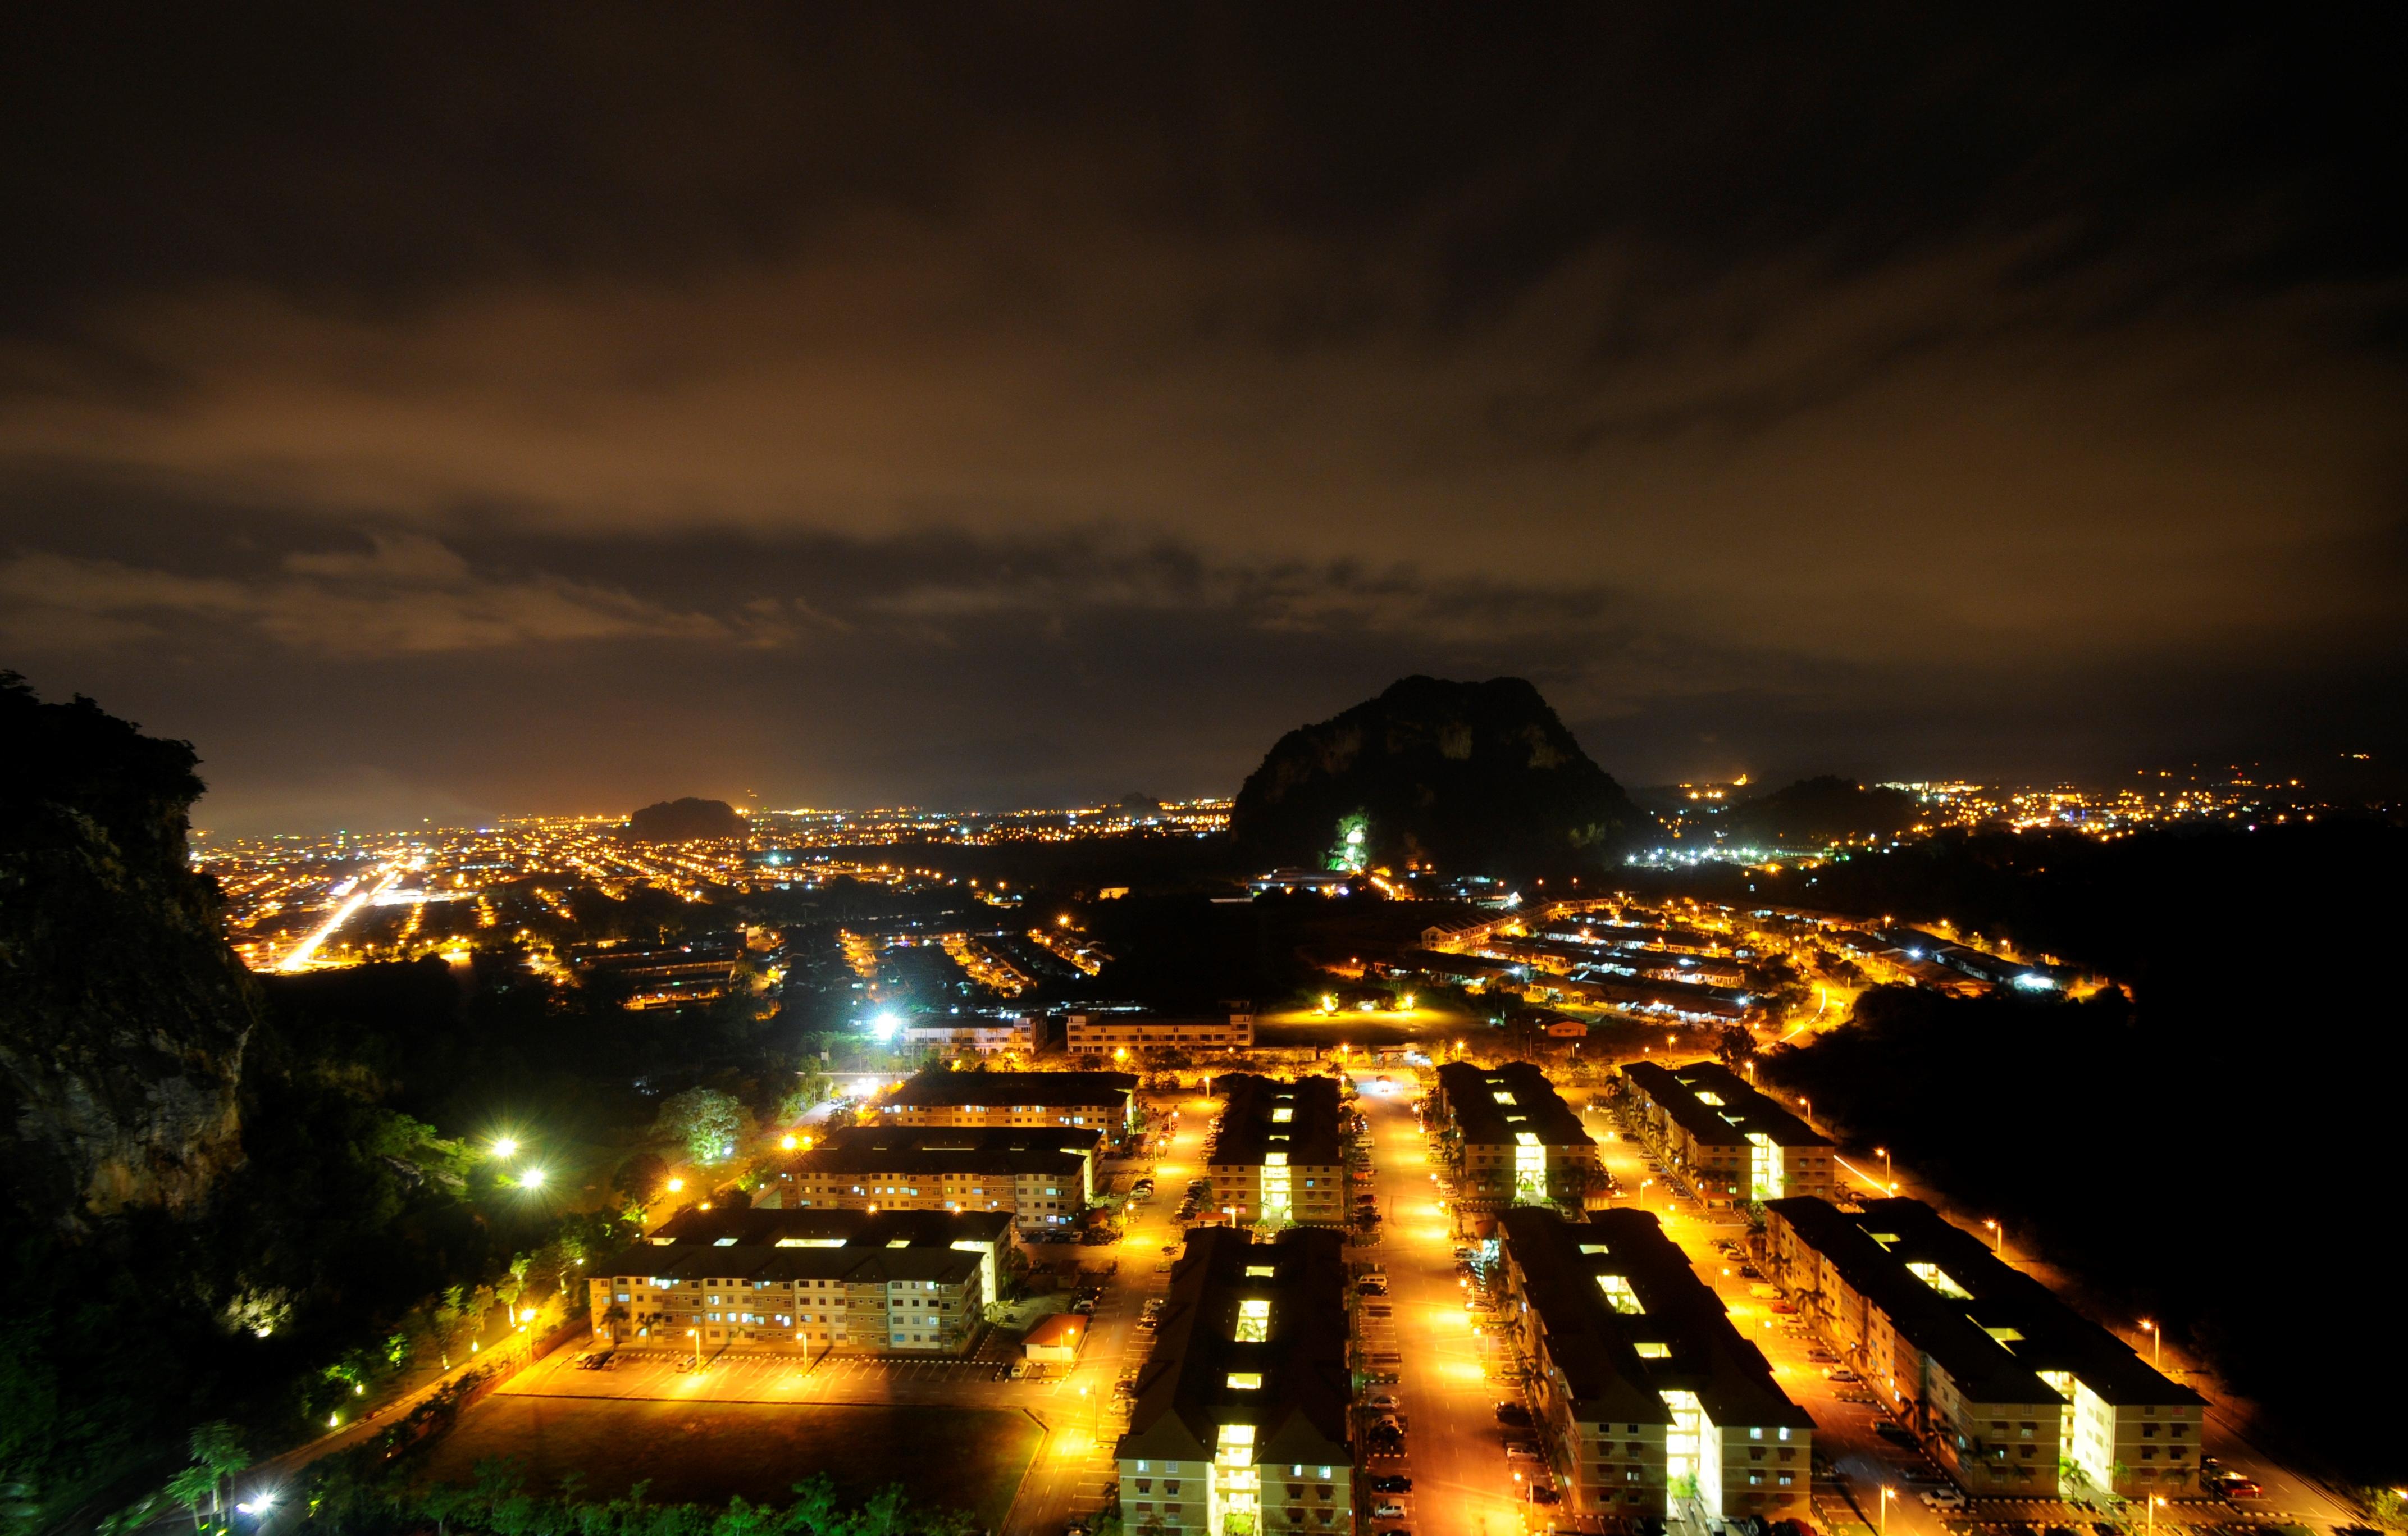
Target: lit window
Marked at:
1261, 1270
1236, 1447
1246, 1381
1657, 1352
1254, 1323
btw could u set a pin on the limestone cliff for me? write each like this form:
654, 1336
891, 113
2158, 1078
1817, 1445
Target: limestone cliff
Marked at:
122, 1014
1473, 776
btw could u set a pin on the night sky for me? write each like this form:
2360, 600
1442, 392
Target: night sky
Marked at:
487, 410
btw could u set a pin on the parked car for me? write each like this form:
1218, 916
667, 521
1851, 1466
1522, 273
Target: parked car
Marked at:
1512, 1412
1392, 1482
1384, 1401
1544, 1495
1840, 1374
1895, 1434
1387, 1509
1517, 1450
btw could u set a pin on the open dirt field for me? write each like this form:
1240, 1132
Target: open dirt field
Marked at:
708, 1452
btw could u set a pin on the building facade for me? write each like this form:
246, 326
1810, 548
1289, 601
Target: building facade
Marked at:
1511, 1139
1649, 1402
2012, 1391
804, 1282
1103, 1102
1039, 1175
1102, 1034
1732, 1141
991, 1038
1239, 1426
1275, 1153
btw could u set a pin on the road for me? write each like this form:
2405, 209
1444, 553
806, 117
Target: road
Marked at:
1454, 1449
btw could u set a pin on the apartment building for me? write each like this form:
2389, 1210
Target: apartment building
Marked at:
1239, 1422
2002, 1382
797, 1282
1105, 1102
1037, 1175
1732, 1141
1648, 1402
1510, 1138
986, 1039
1103, 1034
1276, 1153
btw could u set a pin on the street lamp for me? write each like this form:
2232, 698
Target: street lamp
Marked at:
1885, 1173
1998, 1237
696, 1334
1888, 1493
2154, 1499
2156, 1343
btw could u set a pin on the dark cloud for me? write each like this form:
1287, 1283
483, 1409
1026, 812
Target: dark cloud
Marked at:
523, 404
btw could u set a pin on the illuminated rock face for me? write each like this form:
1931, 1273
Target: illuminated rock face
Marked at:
123, 1015
1473, 776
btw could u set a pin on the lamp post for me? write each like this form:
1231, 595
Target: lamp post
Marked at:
2156, 1343
1885, 1171
696, 1334
2154, 1499
1998, 1237
1888, 1493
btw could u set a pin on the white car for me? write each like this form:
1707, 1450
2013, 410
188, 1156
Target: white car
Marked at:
1517, 1451
1385, 1400
1387, 1509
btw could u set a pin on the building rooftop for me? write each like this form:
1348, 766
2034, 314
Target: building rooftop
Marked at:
1626, 1319
1499, 1104
1252, 1334
936, 1087
1264, 1116
1717, 1106
859, 1246
969, 1149
828, 1226
1990, 1326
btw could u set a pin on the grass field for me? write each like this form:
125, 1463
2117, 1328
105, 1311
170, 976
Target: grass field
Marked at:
706, 1453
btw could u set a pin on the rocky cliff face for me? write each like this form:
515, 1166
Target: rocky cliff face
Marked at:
122, 1014
682, 821
1473, 776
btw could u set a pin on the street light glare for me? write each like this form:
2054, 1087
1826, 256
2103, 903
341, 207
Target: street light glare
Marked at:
505, 1146
531, 1179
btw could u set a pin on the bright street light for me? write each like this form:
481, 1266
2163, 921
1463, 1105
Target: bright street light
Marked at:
505, 1146
531, 1179
1888, 1494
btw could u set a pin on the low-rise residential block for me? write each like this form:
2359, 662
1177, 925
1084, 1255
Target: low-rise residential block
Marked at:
1649, 1402
1105, 1102
1511, 1139
1039, 1175
2015, 1392
1733, 1141
1103, 1034
1239, 1417
1276, 1153
805, 1281
988, 1038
